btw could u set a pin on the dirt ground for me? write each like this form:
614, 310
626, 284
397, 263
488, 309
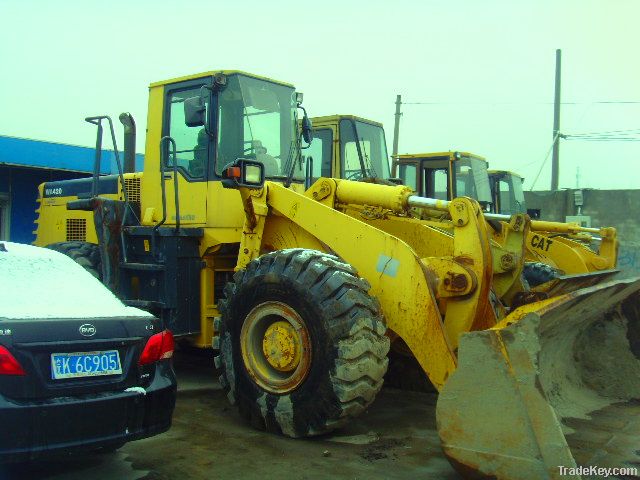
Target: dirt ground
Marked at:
395, 439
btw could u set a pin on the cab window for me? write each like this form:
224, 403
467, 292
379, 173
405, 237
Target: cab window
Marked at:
192, 143
409, 176
440, 181
436, 178
321, 152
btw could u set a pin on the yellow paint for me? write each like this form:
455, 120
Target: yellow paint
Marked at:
212, 73
276, 347
281, 346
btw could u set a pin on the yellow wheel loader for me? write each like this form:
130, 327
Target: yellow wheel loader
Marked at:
523, 389
301, 290
552, 248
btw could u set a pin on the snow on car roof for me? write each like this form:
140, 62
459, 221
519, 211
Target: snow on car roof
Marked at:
41, 283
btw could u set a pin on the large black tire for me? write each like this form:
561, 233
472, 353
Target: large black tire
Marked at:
346, 338
85, 254
537, 273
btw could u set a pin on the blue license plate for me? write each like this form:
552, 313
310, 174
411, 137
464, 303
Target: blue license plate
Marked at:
85, 364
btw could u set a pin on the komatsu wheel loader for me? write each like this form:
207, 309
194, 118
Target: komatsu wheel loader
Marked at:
302, 290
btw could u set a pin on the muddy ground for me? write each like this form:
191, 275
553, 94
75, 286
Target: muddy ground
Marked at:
395, 439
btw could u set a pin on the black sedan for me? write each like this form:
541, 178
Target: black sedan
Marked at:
79, 370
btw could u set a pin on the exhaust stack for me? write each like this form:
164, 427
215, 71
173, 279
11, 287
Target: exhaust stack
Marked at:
129, 142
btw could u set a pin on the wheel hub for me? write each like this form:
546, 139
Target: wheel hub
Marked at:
276, 347
281, 346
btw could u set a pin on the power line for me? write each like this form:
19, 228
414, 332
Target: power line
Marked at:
603, 139
636, 130
606, 102
555, 139
630, 135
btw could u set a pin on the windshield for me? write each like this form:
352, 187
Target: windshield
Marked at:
363, 150
472, 179
257, 120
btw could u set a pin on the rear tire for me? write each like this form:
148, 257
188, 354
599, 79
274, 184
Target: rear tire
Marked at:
537, 273
85, 254
317, 303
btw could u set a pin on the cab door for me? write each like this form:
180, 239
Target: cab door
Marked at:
193, 155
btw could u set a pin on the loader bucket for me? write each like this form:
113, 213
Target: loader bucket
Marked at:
555, 384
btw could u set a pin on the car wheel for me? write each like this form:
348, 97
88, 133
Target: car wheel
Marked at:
302, 343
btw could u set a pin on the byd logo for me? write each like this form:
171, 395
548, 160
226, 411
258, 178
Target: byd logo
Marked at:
87, 330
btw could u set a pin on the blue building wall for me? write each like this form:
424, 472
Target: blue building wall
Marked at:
21, 186
57, 156
25, 163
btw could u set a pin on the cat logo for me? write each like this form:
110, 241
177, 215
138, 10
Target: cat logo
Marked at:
541, 243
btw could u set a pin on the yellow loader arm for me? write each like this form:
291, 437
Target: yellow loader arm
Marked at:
407, 287
550, 243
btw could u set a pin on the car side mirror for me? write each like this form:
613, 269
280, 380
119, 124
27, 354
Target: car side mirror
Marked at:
195, 112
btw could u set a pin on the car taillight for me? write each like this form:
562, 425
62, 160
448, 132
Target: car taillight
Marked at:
8, 363
158, 346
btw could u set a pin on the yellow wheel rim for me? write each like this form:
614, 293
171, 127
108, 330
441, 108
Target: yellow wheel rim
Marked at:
276, 348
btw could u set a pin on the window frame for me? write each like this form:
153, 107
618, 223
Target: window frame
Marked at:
209, 172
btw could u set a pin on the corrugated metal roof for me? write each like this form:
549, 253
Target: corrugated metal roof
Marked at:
57, 156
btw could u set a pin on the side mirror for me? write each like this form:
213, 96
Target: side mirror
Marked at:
307, 129
195, 112
244, 173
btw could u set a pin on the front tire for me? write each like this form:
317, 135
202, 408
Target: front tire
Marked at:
302, 344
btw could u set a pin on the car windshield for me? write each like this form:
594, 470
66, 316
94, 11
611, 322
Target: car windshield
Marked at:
257, 120
364, 150
472, 179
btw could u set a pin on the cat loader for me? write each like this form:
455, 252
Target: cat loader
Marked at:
552, 248
301, 290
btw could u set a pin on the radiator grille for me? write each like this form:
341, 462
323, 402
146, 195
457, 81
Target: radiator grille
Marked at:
76, 229
133, 189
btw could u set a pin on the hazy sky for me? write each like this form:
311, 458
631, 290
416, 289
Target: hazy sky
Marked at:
486, 66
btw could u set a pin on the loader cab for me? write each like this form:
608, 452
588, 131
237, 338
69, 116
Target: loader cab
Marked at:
445, 175
240, 116
348, 147
506, 191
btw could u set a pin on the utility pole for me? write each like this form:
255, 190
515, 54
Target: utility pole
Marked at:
396, 128
555, 159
